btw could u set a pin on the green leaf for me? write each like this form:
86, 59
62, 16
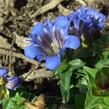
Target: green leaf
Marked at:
8, 104
95, 102
64, 66
79, 101
91, 101
16, 102
65, 77
97, 81
103, 64
91, 72
90, 77
105, 53
18, 98
76, 64
106, 100
65, 85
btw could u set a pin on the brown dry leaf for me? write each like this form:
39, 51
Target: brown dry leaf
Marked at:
38, 104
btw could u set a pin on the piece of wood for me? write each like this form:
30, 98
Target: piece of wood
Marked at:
46, 7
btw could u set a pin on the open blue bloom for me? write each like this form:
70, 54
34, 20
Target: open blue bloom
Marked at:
49, 40
90, 17
11, 82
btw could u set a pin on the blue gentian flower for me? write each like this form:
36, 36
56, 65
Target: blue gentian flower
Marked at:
11, 82
49, 41
90, 17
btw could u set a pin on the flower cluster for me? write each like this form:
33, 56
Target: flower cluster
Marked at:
90, 17
50, 39
11, 82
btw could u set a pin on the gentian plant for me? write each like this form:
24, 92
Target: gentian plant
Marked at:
50, 39
80, 69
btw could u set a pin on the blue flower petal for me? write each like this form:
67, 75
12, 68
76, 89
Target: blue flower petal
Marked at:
49, 25
41, 57
37, 29
72, 42
83, 10
3, 72
53, 62
61, 22
13, 82
62, 51
73, 17
33, 51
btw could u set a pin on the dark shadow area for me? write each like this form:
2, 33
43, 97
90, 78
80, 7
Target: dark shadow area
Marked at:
20, 3
21, 67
